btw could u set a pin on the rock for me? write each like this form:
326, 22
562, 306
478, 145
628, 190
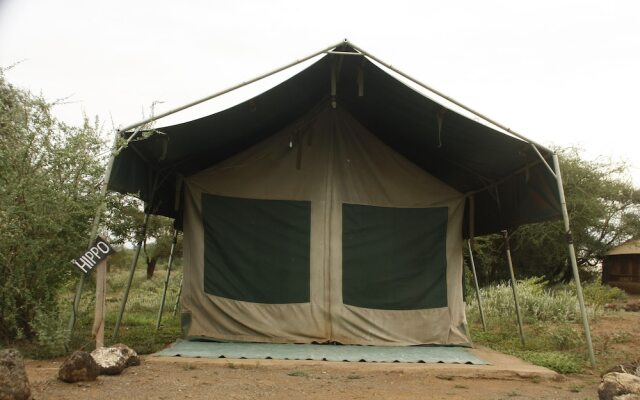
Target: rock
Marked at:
133, 357
632, 367
80, 366
14, 384
113, 360
616, 384
627, 396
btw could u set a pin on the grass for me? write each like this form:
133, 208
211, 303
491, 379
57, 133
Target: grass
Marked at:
552, 329
137, 328
553, 333
298, 373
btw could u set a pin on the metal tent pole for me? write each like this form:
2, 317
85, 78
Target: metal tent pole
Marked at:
132, 271
475, 281
227, 90
166, 281
450, 99
572, 257
175, 306
93, 232
513, 286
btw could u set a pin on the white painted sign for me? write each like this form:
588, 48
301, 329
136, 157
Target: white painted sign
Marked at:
96, 253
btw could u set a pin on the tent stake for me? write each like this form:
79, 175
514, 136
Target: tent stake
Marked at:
475, 281
166, 281
574, 263
513, 286
175, 307
132, 271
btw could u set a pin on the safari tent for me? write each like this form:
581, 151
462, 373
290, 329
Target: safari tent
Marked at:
334, 206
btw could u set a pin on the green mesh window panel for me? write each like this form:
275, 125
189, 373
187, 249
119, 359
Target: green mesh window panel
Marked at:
256, 250
394, 258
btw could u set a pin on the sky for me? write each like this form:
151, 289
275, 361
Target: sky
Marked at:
561, 72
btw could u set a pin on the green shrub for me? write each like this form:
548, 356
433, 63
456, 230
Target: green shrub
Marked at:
49, 172
537, 303
557, 361
51, 334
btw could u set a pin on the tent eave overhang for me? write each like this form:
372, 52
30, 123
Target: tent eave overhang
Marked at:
507, 182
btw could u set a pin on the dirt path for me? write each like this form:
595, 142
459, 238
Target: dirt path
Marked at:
265, 379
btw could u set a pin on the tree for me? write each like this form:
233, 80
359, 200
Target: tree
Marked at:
124, 220
49, 174
604, 209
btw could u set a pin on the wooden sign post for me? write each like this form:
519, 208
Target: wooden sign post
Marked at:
101, 287
96, 258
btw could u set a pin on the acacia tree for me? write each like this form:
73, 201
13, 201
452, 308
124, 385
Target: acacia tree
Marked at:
49, 172
604, 208
124, 221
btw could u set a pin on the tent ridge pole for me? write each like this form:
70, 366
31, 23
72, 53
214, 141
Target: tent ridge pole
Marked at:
448, 98
574, 263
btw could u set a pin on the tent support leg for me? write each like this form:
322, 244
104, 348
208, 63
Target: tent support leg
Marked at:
574, 263
175, 306
475, 281
166, 281
132, 271
513, 286
94, 231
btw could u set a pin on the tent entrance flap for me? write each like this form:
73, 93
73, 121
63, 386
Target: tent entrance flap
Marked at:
353, 243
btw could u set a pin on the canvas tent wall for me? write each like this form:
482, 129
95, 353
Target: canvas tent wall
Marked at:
323, 233
386, 160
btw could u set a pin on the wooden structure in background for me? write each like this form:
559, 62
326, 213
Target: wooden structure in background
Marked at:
621, 267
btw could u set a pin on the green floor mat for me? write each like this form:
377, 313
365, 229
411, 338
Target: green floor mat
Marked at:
406, 354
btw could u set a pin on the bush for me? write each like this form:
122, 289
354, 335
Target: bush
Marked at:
48, 177
537, 303
559, 362
51, 334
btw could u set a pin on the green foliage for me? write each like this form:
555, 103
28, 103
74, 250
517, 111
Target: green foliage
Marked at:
125, 218
138, 325
560, 362
537, 302
604, 209
51, 334
49, 172
598, 295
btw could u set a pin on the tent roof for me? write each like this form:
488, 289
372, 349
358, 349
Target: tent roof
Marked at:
630, 247
511, 185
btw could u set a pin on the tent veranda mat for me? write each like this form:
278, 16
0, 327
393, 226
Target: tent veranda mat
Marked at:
352, 353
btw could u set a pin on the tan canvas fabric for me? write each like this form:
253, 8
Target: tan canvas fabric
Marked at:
327, 158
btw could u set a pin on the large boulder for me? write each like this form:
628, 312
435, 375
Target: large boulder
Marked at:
113, 360
14, 384
80, 366
615, 385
